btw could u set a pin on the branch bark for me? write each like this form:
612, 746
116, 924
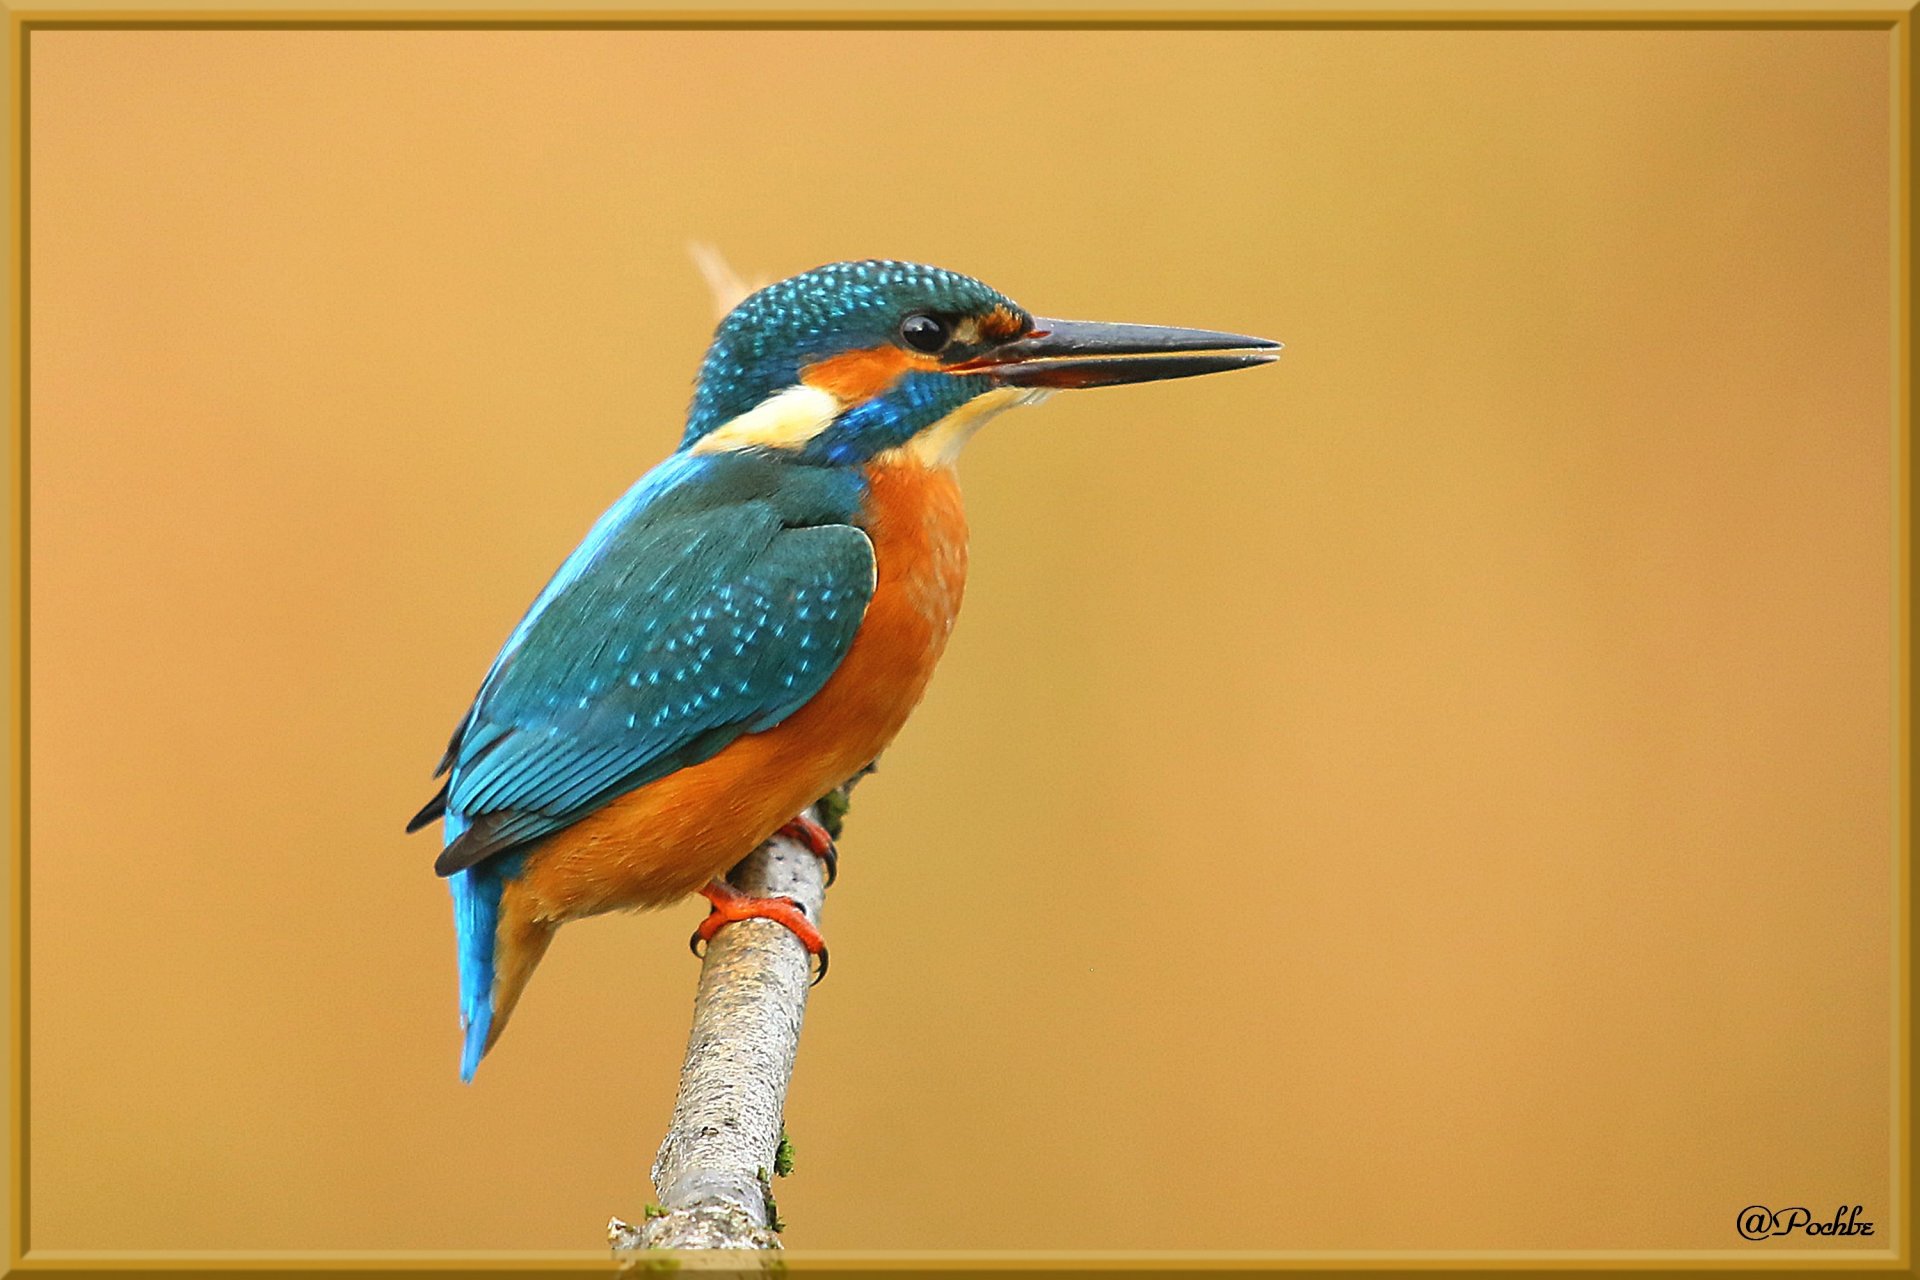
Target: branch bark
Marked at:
714, 1172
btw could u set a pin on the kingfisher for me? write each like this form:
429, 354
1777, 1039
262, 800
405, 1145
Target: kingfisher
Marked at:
751, 623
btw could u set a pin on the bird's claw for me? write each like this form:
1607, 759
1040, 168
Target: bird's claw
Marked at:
805, 831
730, 905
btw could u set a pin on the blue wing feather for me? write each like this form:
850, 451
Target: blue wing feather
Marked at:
714, 599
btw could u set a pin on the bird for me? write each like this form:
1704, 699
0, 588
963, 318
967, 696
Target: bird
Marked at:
752, 622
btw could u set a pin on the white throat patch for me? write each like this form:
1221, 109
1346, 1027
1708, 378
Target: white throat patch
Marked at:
940, 444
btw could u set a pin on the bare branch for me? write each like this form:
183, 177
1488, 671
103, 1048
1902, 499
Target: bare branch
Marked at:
714, 1171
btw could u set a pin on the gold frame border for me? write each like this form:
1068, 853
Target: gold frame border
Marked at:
21, 22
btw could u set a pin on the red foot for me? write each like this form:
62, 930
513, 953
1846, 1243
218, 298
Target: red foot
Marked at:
804, 830
730, 905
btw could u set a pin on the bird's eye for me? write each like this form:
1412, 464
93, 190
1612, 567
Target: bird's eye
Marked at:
924, 333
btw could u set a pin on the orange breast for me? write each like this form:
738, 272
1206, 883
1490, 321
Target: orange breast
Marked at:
666, 839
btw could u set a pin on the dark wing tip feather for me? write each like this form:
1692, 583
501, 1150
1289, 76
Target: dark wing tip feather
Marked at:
453, 744
434, 808
476, 844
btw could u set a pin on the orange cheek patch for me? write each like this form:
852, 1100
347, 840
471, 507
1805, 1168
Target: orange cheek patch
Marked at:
856, 376
1001, 324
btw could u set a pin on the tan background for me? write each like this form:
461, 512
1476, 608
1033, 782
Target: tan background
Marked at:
1430, 794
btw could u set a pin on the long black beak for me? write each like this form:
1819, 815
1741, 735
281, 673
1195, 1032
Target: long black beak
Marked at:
1090, 353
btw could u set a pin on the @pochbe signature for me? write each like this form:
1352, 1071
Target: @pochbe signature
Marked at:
1757, 1222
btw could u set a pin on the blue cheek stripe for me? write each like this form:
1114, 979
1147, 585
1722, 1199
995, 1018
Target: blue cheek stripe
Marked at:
920, 399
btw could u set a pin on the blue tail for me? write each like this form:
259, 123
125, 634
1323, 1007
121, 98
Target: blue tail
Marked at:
476, 917
476, 927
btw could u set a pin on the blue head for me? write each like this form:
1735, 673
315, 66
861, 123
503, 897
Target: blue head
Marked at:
853, 359
848, 360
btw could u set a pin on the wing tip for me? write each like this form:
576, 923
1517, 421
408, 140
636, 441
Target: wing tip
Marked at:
481, 840
432, 810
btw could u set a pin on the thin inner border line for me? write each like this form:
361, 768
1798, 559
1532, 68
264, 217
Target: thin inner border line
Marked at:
21, 25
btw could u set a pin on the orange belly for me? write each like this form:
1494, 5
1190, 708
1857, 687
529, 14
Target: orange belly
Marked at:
665, 840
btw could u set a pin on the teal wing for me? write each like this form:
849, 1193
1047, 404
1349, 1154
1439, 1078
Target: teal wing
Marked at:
714, 600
